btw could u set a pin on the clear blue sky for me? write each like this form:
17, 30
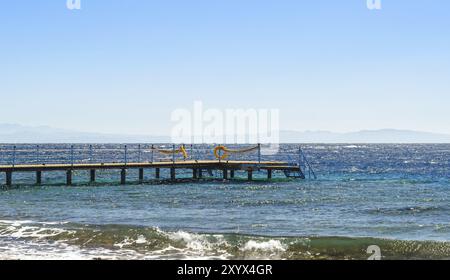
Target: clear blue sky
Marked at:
123, 66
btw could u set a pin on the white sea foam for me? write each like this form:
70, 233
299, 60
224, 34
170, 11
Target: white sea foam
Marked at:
32, 250
141, 240
270, 246
198, 246
192, 241
29, 229
126, 242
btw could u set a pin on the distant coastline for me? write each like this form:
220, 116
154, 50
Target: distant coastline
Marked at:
14, 133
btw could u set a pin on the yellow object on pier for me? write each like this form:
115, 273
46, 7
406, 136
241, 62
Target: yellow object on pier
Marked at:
181, 150
225, 151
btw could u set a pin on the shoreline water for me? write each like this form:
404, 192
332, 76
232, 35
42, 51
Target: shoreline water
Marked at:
31, 240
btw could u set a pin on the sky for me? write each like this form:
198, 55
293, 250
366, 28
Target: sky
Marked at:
123, 66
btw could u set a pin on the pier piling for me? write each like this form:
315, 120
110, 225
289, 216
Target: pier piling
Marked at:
123, 176
225, 174
269, 174
8, 178
141, 175
250, 175
172, 174
157, 173
194, 173
92, 176
38, 177
69, 177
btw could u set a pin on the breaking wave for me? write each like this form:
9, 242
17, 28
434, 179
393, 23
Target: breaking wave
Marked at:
61, 240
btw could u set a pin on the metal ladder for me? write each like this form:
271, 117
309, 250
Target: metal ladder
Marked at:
307, 166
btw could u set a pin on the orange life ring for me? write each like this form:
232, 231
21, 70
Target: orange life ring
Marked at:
222, 156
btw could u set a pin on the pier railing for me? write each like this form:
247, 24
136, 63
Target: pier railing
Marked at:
46, 154
218, 161
121, 153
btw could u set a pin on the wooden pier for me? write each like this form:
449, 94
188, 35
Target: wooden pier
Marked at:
198, 167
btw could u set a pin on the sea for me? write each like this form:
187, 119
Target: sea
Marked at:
392, 197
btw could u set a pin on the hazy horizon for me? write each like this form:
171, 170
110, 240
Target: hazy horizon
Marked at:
46, 126
13, 133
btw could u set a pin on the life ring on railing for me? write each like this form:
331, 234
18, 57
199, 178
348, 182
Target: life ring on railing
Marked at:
222, 156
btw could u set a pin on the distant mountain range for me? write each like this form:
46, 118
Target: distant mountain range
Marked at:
13, 133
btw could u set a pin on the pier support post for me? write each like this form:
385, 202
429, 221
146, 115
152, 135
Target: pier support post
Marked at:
172, 174
269, 174
157, 173
200, 173
69, 177
231, 174
141, 175
225, 174
8, 178
92, 177
250, 174
123, 176
38, 177
194, 173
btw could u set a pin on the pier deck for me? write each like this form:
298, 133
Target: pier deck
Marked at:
203, 160
197, 166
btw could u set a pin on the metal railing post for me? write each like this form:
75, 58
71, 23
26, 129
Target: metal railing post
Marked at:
37, 154
71, 155
126, 155
300, 159
153, 150
173, 153
91, 154
259, 153
139, 153
14, 156
299, 156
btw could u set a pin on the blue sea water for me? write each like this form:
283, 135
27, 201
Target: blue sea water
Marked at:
394, 196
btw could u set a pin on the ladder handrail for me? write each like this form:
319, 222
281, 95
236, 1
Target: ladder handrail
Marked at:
305, 160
